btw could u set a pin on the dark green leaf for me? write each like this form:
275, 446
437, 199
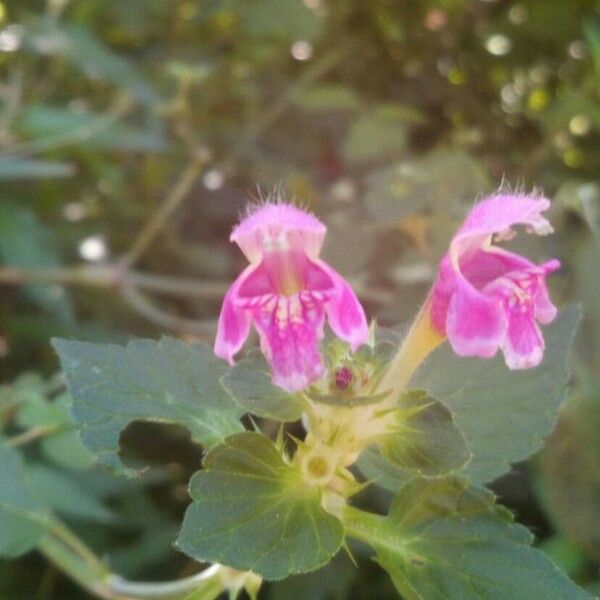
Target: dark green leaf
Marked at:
84, 51
504, 415
437, 181
62, 444
29, 168
253, 512
249, 383
443, 541
328, 98
381, 472
427, 441
63, 126
570, 466
166, 381
63, 493
24, 242
18, 506
295, 20
378, 133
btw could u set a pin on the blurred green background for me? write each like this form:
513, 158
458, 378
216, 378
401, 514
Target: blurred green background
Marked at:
132, 134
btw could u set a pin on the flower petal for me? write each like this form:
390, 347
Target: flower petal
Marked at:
544, 310
523, 346
499, 212
344, 311
483, 266
290, 329
282, 222
496, 215
475, 323
234, 321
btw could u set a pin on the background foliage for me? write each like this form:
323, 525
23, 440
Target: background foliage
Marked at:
132, 134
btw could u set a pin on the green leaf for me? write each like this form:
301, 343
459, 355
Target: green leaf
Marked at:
569, 465
443, 541
84, 51
62, 445
25, 242
427, 442
591, 30
166, 381
61, 126
29, 168
328, 98
63, 493
378, 133
18, 507
249, 383
504, 415
253, 512
381, 472
436, 181
295, 21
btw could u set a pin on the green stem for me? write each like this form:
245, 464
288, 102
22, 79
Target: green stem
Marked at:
360, 524
78, 569
61, 546
33, 434
209, 582
70, 540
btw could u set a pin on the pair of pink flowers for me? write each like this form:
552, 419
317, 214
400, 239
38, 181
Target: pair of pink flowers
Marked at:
484, 298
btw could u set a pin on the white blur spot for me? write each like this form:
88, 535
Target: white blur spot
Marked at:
415, 273
518, 14
444, 64
74, 211
213, 180
302, 50
93, 248
10, 38
312, 3
577, 50
580, 125
498, 45
509, 94
343, 190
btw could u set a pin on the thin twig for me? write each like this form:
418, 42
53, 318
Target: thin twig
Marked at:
309, 76
32, 434
11, 95
114, 276
146, 308
158, 220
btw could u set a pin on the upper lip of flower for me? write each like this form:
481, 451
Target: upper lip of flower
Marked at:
271, 226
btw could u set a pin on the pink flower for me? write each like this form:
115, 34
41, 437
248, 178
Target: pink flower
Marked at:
286, 292
487, 298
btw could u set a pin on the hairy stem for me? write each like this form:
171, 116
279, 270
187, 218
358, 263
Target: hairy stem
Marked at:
421, 340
